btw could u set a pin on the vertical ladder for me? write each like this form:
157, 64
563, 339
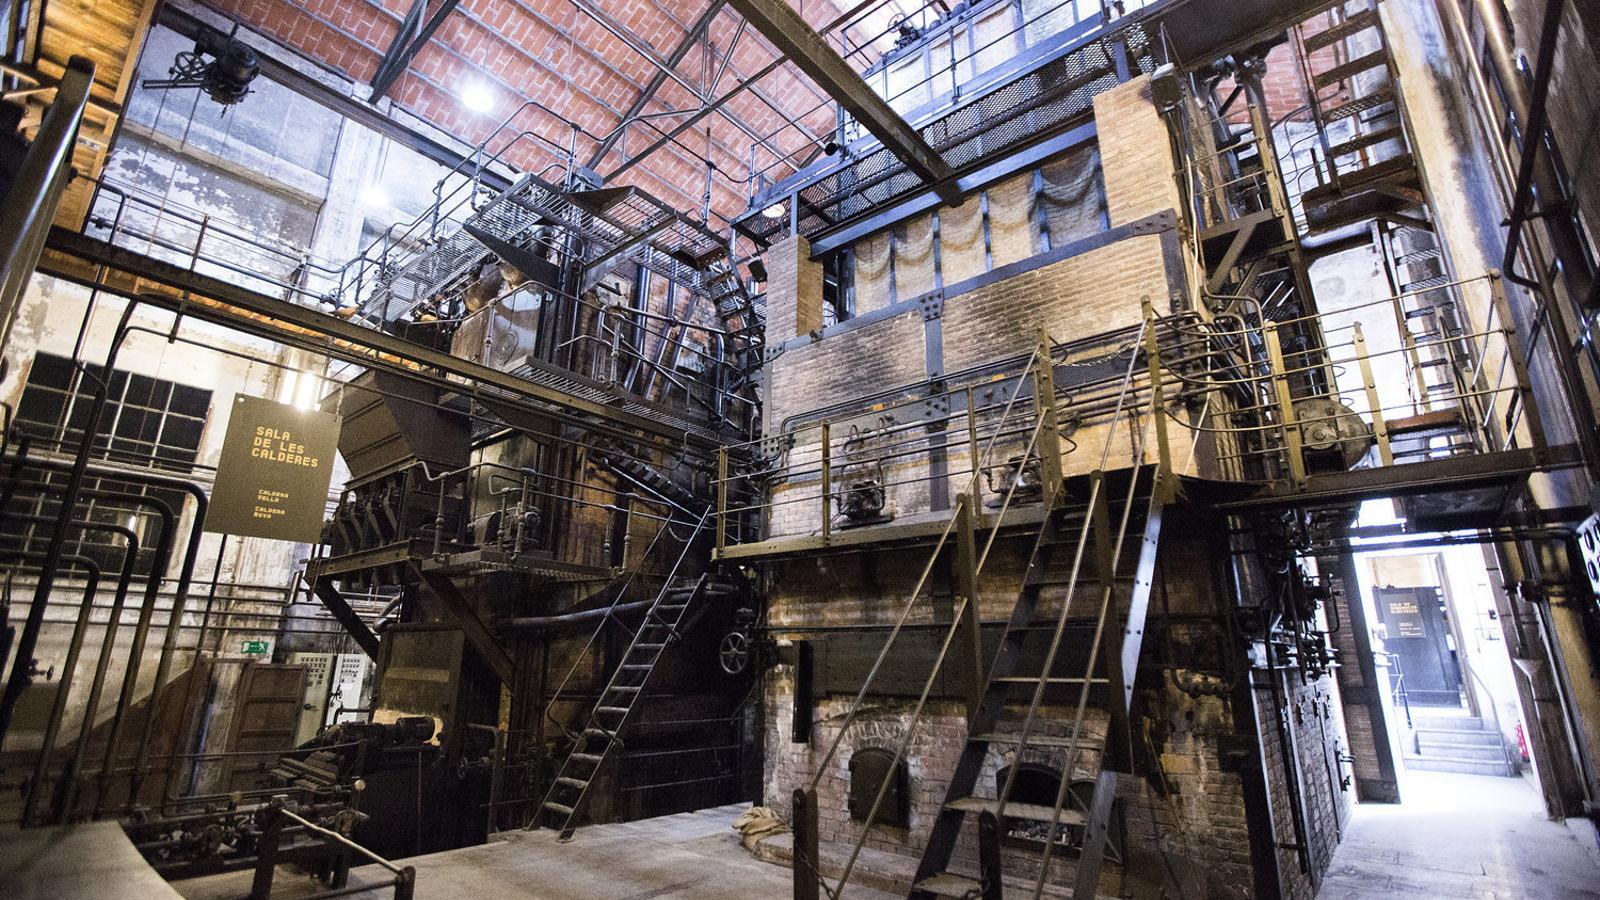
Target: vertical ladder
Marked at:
563, 802
1116, 676
1430, 325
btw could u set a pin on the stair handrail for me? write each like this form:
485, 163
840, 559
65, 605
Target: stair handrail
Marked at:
1494, 708
956, 621
933, 557
960, 612
615, 602
1066, 607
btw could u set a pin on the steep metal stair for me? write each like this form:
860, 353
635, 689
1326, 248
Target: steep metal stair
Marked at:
1109, 670
1366, 167
661, 627
1429, 322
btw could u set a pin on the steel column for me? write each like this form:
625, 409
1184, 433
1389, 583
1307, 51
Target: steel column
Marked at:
807, 49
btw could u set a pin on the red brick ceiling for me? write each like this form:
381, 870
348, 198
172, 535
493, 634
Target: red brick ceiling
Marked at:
551, 52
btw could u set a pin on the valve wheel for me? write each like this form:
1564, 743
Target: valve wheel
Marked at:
734, 654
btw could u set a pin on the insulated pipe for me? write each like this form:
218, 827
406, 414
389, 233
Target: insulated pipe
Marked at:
589, 615
185, 577
80, 632
25, 662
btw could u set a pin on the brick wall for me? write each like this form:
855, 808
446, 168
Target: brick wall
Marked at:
794, 289
1135, 153
1183, 812
1084, 295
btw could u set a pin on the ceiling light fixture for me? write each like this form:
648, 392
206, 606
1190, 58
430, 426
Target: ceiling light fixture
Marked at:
477, 97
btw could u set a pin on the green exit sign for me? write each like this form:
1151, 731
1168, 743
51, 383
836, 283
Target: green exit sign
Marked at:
253, 647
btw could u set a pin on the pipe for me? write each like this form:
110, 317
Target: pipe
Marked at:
58, 536
152, 591
185, 577
1536, 171
80, 629
25, 663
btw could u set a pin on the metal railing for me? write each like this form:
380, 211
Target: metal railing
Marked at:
1290, 398
880, 450
359, 289
1394, 380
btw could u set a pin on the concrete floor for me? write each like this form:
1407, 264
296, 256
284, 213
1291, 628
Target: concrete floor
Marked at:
1463, 836
691, 855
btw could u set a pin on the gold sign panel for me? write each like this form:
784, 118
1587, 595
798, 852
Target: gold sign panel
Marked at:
272, 479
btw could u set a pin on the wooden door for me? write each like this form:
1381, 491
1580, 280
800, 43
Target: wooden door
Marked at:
264, 722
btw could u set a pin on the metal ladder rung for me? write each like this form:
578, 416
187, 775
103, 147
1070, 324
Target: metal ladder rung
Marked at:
1033, 679
1359, 22
1364, 141
1034, 740
572, 782
1354, 66
946, 884
612, 710
591, 758
561, 808
623, 689
1427, 284
1033, 812
1359, 105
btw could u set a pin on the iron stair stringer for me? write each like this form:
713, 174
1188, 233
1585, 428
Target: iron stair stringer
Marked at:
563, 802
932, 878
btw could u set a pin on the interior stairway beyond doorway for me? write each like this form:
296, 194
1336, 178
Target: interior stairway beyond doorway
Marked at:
1462, 744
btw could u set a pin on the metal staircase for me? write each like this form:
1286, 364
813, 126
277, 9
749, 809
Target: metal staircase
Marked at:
1429, 321
1095, 536
1365, 166
662, 626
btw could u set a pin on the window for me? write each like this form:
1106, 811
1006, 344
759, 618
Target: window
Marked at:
146, 422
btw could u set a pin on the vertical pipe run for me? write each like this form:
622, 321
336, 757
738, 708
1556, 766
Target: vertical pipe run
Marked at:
91, 587
53, 551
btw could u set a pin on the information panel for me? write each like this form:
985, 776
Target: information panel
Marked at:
272, 479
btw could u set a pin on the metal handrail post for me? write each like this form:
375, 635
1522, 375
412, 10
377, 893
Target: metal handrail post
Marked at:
1380, 428
827, 482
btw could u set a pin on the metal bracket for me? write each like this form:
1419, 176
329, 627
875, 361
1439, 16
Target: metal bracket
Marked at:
931, 305
936, 409
1161, 222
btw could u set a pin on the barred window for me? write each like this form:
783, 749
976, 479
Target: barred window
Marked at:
147, 422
